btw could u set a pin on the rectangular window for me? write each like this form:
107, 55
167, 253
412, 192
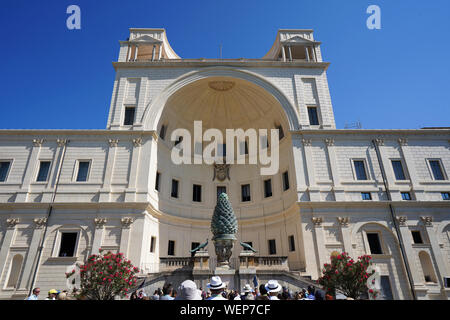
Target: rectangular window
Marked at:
129, 116
417, 237
360, 170
197, 193
157, 181
68, 243
313, 117
285, 181
291, 244
398, 170
445, 195
83, 170
272, 247
152, 244
366, 196
174, 192
386, 291
162, 132
267, 188
4, 168
406, 196
374, 243
220, 190
436, 168
280, 131
171, 248
44, 168
222, 150
245, 189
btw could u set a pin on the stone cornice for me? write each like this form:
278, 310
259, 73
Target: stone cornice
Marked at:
258, 63
377, 133
376, 204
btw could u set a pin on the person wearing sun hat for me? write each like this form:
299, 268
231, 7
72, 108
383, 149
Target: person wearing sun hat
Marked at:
273, 287
216, 287
52, 294
247, 293
188, 291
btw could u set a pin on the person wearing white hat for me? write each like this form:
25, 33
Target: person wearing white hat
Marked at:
188, 291
248, 293
216, 287
273, 287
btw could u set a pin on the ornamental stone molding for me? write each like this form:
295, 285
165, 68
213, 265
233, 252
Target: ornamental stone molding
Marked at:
329, 142
221, 85
379, 142
126, 222
428, 221
99, 222
137, 142
343, 221
307, 142
40, 222
403, 141
38, 142
11, 223
317, 221
113, 142
402, 220
61, 142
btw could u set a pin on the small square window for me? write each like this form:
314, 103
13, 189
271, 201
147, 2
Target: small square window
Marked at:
44, 168
129, 116
220, 190
171, 248
162, 132
83, 170
4, 169
406, 196
245, 190
417, 237
445, 195
366, 195
68, 244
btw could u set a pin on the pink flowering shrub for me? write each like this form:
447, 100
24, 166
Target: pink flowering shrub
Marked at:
105, 276
347, 275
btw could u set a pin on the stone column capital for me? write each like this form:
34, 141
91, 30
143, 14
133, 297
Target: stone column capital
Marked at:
307, 142
379, 142
428, 221
11, 222
99, 222
61, 142
126, 222
113, 142
317, 221
343, 221
38, 142
402, 220
137, 142
403, 141
39, 222
329, 142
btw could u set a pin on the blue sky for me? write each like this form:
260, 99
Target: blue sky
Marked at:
396, 77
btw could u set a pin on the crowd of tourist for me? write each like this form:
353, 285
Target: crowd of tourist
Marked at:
216, 290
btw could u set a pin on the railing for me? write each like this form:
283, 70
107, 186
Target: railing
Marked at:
242, 262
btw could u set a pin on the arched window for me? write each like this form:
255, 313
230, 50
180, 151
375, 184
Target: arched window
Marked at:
427, 267
15, 268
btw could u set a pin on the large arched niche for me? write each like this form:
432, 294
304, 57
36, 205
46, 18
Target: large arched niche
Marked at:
153, 113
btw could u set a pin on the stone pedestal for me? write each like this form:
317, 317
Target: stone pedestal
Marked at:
229, 277
201, 262
224, 249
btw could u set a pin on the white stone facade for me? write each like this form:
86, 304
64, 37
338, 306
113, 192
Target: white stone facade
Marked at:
118, 208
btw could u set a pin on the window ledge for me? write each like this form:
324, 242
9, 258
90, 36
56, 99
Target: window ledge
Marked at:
63, 259
381, 256
436, 182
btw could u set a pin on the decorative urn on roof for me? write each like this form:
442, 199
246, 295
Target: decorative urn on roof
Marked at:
224, 228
